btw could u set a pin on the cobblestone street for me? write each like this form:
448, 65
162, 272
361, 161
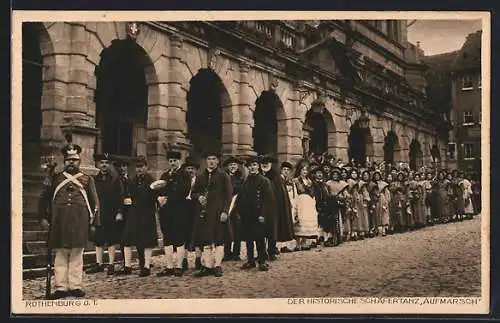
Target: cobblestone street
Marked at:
442, 260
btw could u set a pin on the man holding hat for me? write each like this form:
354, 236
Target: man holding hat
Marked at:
173, 220
213, 191
69, 205
255, 206
122, 167
232, 169
109, 232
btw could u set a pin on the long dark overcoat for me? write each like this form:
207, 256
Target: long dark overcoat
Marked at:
208, 227
140, 228
109, 192
281, 222
254, 200
174, 220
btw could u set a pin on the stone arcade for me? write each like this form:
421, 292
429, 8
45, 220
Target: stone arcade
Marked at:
352, 88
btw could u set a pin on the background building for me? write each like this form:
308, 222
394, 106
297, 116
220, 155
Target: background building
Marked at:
353, 88
454, 88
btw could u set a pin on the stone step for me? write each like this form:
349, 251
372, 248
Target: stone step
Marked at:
40, 247
31, 225
35, 235
34, 266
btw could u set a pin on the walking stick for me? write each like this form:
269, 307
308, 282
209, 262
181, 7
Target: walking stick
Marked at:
48, 278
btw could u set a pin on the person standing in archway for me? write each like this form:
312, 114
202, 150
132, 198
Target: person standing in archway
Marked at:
109, 232
281, 222
69, 206
214, 192
172, 191
232, 169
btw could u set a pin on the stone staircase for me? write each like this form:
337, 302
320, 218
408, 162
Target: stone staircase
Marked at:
34, 237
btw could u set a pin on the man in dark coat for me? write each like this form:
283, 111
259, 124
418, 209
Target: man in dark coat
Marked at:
109, 232
173, 190
255, 206
232, 168
191, 167
213, 191
140, 228
280, 225
69, 206
122, 167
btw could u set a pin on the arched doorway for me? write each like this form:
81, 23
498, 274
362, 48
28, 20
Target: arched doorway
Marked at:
122, 99
265, 131
32, 85
391, 148
416, 159
206, 98
359, 143
318, 137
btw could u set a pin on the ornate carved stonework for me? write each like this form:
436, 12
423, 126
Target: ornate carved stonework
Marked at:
274, 83
213, 56
132, 29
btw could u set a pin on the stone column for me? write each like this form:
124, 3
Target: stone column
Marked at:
290, 136
246, 122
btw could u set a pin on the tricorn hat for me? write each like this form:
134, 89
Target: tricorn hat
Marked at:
212, 153
252, 159
173, 154
103, 156
71, 151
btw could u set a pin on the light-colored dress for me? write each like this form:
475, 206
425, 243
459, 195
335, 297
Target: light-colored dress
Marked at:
307, 225
362, 203
467, 196
382, 206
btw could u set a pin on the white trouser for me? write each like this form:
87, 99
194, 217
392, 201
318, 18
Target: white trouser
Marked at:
68, 269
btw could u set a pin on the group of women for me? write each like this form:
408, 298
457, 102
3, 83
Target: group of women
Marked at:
333, 203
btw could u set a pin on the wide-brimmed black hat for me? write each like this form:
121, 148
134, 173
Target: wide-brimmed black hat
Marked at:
252, 159
335, 170
231, 160
268, 159
191, 162
286, 165
211, 153
173, 154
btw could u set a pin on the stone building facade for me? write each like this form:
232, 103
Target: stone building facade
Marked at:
353, 88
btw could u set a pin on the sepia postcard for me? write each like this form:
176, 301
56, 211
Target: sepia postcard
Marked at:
250, 162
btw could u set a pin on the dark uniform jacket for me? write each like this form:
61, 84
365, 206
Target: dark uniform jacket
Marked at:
109, 192
140, 228
67, 211
174, 221
254, 200
218, 190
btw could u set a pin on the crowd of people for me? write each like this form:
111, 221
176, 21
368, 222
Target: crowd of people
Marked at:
273, 208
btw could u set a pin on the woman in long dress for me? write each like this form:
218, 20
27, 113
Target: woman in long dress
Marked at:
363, 205
376, 207
428, 196
442, 203
306, 226
466, 186
382, 207
351, 203
389, 179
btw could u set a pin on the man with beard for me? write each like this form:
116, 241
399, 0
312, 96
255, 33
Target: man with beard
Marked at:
280, 225
69, 205
173, 187
213, 191
109, 232
191, 168
232, 169
254, 203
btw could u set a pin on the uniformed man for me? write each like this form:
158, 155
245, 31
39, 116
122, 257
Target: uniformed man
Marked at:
232, 168
173, 220
69, 205
213, 191
255, 206
109, 232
